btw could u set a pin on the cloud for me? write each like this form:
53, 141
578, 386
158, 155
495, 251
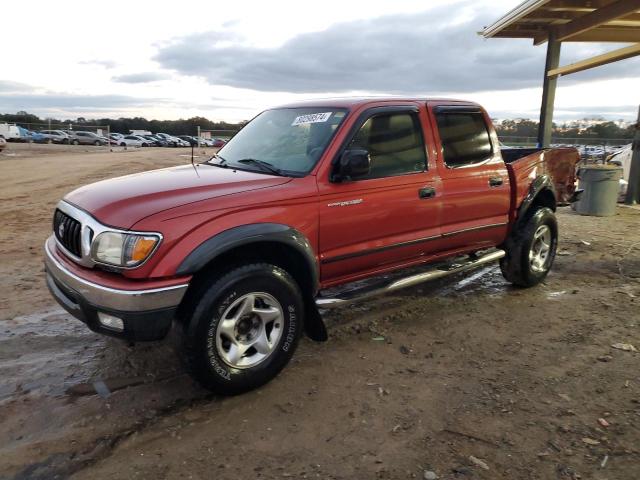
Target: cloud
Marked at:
7, 86
143, 77
71, 102
101, 63
430, 52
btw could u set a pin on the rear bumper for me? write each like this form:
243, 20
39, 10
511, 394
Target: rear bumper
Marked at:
146, 314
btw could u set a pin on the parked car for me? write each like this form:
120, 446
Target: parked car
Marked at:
35, 137
218, 142
56, 136
155, 141
130, 141
241, 250
190, 140
87, 138
3, 143
171, 141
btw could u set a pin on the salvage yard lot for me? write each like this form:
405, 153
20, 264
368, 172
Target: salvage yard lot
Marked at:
524, 380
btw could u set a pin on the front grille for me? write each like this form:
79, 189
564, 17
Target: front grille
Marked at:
67, 231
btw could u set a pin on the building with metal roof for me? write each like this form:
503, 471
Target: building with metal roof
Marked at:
558, 21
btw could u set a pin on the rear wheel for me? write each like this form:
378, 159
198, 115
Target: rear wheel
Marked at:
244, 328
97, 143
531, 249
76, 142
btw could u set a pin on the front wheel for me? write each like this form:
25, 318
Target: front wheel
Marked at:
244, 328
531, 249
76, 142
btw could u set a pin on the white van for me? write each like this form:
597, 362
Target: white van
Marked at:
9, 132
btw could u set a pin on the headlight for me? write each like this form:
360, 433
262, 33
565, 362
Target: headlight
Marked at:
123, 249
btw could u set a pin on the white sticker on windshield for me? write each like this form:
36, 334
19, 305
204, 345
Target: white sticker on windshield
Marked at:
311, 118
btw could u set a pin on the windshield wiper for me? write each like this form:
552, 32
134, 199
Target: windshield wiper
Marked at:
266, 166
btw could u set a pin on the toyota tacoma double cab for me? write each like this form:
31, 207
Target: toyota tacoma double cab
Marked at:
243, 251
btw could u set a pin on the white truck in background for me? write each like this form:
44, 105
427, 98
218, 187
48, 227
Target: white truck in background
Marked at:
9, 131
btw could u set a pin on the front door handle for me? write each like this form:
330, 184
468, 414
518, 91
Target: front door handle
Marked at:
495, 181
427, 192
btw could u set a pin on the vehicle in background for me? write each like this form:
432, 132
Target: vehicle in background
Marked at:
115, 136
3, 143
218, 142
155, 141
87, 138
622, 158
130, 141
36, 137
302, 205
10, 132
145, 142
171, 141
193, 141
140, 133
56, 136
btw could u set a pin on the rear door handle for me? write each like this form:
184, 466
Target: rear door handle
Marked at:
427, 192
495, 181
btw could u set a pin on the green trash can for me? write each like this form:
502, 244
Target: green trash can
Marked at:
601, 184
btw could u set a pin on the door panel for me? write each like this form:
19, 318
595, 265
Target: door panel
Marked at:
389, 217
378, 223
476, 190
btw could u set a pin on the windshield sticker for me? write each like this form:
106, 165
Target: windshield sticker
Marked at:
311, 118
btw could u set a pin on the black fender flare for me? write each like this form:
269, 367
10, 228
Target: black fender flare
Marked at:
540, 183
242, 235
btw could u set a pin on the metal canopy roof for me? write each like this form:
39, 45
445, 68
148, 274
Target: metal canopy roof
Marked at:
570, 21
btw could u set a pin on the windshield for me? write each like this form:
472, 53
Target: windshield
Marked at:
291, 140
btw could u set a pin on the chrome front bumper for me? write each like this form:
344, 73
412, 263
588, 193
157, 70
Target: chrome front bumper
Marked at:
108, 298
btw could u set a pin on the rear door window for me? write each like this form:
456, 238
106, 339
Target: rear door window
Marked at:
465, 138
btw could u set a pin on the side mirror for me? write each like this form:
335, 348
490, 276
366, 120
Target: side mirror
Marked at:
353, 164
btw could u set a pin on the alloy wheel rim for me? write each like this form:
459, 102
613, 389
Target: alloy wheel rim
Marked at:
540, 252
249, 330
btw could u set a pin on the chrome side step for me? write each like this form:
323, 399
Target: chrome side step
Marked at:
434, 274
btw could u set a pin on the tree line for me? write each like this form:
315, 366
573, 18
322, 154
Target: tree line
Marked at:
189, 126
529, 128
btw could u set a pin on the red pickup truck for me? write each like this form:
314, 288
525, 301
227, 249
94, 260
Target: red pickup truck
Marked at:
289, 217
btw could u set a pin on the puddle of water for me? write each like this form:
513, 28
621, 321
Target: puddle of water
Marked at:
488, 280
48, 352
554, 295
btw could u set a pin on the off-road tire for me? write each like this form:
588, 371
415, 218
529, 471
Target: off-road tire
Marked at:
203, 359
516, 265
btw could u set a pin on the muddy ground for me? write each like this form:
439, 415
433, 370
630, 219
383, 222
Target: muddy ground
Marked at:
467, 378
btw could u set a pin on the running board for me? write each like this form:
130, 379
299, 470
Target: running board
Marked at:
397, 284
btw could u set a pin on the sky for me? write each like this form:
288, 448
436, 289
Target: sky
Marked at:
196, 58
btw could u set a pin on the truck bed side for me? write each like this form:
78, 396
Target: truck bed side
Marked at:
525, 165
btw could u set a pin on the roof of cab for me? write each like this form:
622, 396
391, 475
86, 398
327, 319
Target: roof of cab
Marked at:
351, 102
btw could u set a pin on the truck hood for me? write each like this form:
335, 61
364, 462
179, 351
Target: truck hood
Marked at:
123, 201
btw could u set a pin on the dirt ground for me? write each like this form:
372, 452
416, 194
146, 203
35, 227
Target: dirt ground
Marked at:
466, 378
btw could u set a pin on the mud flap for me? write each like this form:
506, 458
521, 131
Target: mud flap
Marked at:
314, 326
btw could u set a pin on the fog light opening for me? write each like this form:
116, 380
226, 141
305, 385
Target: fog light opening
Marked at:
111, 322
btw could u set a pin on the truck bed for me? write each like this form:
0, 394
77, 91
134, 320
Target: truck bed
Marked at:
558, 163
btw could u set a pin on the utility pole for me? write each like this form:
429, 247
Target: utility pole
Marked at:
633, 189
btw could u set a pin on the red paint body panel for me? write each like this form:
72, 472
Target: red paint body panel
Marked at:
386, 227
